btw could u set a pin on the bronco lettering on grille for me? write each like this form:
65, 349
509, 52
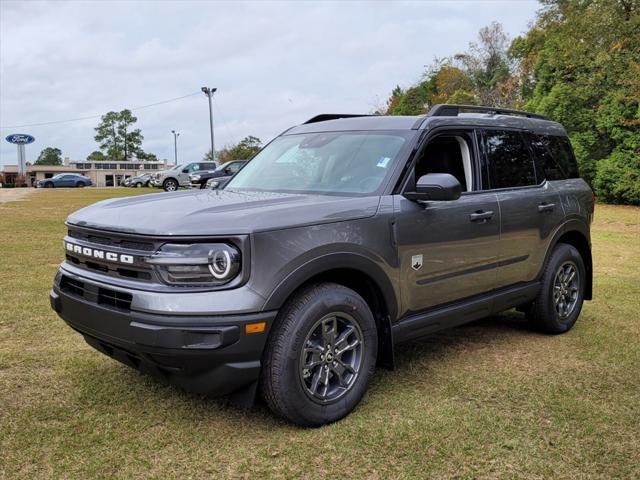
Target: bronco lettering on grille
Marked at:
98, 254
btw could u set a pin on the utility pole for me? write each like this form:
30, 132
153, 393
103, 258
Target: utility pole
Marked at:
175, 145
209, 91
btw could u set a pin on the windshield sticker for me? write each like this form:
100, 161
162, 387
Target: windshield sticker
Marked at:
383, 162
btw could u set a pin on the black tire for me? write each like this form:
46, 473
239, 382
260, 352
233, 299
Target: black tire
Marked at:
545, 313
138, 185
48, 185
170, 185
285, 383
79, 185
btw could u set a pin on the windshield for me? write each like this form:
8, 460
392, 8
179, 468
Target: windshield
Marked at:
331, 162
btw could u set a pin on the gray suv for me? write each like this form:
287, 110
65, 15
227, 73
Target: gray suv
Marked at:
343, 238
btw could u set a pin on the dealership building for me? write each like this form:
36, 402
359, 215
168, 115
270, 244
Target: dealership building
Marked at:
102, 173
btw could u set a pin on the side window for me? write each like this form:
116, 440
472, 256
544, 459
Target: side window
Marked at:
554, 157
447, 153
562, 153
508, 158
207, 166
234, 167
546, 166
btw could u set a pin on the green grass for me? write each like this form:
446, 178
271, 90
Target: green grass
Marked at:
488, 400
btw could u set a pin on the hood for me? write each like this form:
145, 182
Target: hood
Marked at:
219, 212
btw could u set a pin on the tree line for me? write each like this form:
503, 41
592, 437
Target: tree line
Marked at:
579, 64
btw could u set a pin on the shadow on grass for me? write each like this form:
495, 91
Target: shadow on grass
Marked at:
105, 385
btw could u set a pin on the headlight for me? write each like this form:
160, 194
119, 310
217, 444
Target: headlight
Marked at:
197, 264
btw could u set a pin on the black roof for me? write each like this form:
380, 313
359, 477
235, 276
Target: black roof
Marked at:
440, 115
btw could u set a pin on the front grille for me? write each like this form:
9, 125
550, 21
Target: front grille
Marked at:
108, 269
94, 294
119, 242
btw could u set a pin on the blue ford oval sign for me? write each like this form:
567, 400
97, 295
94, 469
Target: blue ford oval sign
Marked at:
20, 138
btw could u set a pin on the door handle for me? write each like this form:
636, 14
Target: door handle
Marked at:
481, 216
546, 207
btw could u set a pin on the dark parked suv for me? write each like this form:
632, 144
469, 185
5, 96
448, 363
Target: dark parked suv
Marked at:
342, 238
223, 171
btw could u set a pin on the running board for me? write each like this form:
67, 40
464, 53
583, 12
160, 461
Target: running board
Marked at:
439, 318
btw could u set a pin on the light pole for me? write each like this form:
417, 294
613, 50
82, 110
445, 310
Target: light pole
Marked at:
175, 145
209, 91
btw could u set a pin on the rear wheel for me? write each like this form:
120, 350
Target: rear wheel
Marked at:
170, 185
48, 185
320, 355
138, 185
559, 302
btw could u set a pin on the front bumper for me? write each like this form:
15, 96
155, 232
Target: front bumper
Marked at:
210, 355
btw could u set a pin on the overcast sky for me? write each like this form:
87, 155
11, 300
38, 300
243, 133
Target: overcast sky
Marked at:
275, 64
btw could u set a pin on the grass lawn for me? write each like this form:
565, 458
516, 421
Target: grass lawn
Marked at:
488, 400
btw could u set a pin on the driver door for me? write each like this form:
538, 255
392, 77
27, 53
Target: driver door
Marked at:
447, 250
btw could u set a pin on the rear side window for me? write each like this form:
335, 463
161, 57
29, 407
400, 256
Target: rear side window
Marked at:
554, 157
508, 159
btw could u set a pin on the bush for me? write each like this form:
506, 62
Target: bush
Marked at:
617, 178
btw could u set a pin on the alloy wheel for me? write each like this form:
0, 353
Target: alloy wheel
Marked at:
331, 357
566, 289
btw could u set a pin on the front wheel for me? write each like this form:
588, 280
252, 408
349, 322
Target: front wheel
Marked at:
320, 356
138, 185
559, 302
79, 185
170, 185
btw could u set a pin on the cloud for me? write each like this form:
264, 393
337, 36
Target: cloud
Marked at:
275, 64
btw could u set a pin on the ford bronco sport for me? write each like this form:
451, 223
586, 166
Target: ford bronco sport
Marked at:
344, 237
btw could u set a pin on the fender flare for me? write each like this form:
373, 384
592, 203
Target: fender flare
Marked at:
334, 261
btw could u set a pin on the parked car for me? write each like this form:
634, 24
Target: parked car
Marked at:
228, 169
178, 176
69, 180
138, 181
343, 238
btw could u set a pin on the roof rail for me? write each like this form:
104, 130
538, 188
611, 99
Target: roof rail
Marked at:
334, 116
442, 110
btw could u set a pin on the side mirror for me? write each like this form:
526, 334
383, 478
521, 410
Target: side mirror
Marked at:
436, 186
185, 170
